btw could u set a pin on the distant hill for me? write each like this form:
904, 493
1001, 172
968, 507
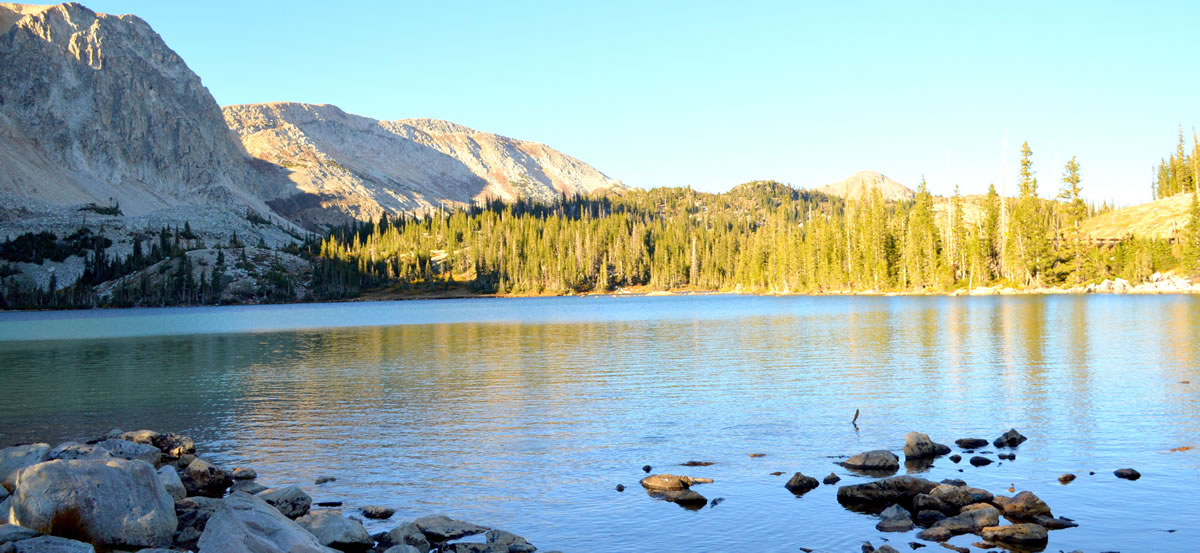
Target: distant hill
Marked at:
858, 185
1157, 219
341, 165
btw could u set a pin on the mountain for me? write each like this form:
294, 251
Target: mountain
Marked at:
858, 185
95, 108
339, 164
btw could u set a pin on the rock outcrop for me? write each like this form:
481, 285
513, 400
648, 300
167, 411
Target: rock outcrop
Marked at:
859, 186
339, 165
116, 503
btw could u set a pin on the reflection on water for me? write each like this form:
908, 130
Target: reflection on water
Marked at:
525, 414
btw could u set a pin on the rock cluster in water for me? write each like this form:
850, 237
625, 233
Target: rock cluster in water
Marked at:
148, 492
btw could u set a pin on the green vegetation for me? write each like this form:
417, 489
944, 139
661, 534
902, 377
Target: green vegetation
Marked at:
759, 237
1179, 173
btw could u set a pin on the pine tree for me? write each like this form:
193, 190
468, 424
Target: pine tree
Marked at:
1076, 211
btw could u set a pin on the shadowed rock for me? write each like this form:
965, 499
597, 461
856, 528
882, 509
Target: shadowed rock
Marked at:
917, 445
206, 479
688, 499
336, 531
800, 484
1128, 474
971, 443
406, 534
441, 529
291, 501
895, 519
880, 462
831, 479
1012, 438
874, 496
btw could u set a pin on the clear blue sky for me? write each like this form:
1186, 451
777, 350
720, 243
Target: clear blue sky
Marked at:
712, 95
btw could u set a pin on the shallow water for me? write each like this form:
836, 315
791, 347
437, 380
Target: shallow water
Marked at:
524, 414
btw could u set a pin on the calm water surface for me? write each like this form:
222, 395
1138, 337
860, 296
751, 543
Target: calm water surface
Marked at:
524, 414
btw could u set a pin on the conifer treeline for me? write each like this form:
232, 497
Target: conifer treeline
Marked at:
760, 237
1181, 172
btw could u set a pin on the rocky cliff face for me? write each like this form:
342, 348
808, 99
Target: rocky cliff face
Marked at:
346, 165
96, 107
860, 184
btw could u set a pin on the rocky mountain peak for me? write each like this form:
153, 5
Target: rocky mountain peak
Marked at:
860, 184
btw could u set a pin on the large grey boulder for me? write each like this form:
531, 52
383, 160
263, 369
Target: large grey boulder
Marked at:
879, 460
441, 529
51, 544
115, 503
206, 479
171, 482
873, 496
75, 450
336, 531
247, 524
917, 445
132, 450
13, 459
291, 501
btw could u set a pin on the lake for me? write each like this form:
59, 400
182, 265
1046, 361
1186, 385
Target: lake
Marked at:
524, 414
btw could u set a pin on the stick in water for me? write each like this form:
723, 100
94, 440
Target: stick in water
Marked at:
854, 421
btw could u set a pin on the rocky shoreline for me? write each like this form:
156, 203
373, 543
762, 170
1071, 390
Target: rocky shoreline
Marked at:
149, 492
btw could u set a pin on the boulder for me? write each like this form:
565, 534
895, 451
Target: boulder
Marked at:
133, 451
441, 529
171, 482
971, 443
249, 486
1012, 438
895, 519
513, 542
12, 532
671, 482
114, 503
193, 514
244, 473
1066, 478
51, 544
13, 459
1026, 506
688, 499
935, 533
928, 518
1024, 535
405, 534
378, 512
958, 496
918, 446
980, 461
800, 484
205, 479
248, 524
970, 521
1128, 474
75, 450
336, 531
831, 479
926, 502
291, 501
880, 460
877, 494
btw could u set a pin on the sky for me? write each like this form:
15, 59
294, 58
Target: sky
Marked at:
710, 95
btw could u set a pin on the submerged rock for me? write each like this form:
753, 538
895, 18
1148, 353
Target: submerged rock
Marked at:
800, 484
917, 445
1052, 523
671, 482
697, 464
688, 499
115, 503
1012, 438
